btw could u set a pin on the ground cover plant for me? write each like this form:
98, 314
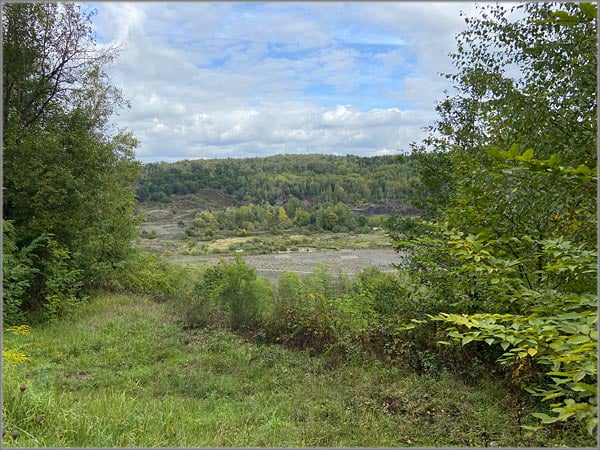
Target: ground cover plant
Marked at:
168, 387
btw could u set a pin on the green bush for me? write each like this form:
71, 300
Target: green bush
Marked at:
62, 282
18, 274
531, 297
228, 294
148, 274
287, 311
304, 313
42, 276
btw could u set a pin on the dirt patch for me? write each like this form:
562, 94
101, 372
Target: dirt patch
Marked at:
347, 262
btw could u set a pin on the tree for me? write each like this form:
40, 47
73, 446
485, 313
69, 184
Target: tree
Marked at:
530, 82
508, 186
67, 173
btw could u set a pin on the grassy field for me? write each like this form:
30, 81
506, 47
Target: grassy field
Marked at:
123, 373
170, 245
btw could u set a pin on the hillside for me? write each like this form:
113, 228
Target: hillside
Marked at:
276, 179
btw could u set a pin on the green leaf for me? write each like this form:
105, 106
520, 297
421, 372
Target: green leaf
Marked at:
583, 387
531, 428
559, 374
591, 424
583, 170
564, 416
528, 155
554, 395
561, 14
575, 340
564, 18
553, 161
589, 10
467, 339
545, 418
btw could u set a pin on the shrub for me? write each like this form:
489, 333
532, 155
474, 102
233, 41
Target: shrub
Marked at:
229, 294
287, 311
62, 282
148, 274
18, 273
304, 314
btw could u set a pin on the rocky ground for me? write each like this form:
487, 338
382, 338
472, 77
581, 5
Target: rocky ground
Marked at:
347, 261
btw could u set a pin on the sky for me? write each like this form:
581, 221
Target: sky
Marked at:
224, 79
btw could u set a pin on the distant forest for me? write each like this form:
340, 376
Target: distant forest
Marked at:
317, 178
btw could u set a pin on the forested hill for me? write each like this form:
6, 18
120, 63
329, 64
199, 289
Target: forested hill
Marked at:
318, 178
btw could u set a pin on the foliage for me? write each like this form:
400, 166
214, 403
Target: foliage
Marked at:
170, 387
551, 330
148, 274
18, 273
521, 78
67, 174
253, 218
509, 248
61, 280
230, 293
282, 178
15, 355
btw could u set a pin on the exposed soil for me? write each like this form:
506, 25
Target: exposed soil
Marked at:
347, 261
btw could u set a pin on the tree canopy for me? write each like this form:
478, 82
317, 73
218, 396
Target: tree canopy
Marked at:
318, 178
507, 181
67, 172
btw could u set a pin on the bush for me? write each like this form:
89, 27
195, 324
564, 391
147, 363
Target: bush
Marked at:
62, 282
18, 274
228, 294
287, 311
148, 274
41, 275
304, 313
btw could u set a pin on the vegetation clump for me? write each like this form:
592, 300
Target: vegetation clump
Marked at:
68, 203
507, 184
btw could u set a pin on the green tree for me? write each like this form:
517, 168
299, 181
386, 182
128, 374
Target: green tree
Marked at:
507, 183
529, 82
67, 174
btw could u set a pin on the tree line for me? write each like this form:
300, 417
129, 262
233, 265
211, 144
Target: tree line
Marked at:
334, 217
320, 178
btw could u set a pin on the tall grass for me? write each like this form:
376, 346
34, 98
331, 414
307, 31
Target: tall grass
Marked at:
124, 374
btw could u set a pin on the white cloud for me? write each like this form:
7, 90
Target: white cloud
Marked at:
289, 128
225, 79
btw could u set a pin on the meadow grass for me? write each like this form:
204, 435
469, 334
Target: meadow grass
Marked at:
122, 373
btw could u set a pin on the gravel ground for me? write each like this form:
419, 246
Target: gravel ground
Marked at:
345, 261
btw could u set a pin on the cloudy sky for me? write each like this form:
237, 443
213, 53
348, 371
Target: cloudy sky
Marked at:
253, 79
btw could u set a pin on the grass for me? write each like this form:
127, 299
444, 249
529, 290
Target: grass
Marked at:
171, 241
121, 373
